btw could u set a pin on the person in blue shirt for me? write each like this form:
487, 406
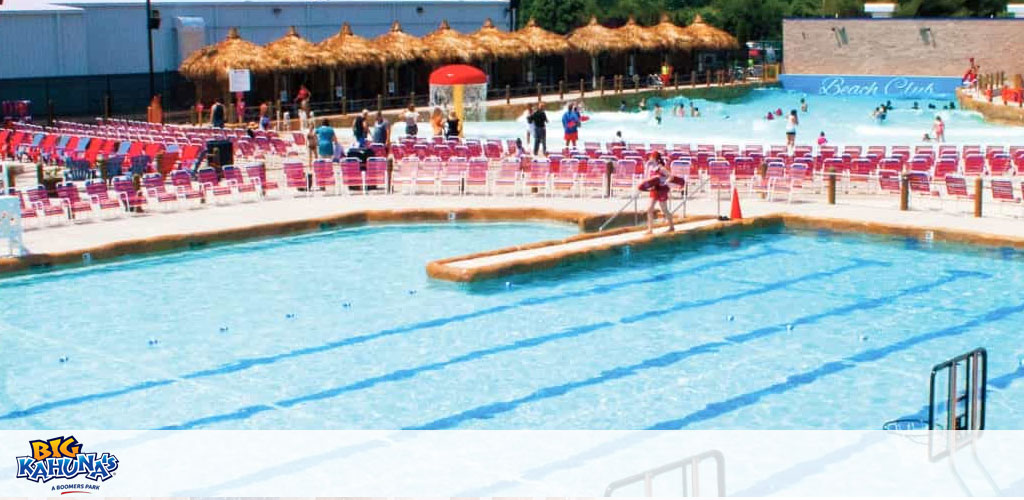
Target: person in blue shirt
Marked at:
326, 140
571, 124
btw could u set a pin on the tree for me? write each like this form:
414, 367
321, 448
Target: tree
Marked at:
560, 16
950, 8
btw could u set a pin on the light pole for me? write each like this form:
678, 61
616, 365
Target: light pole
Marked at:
149, 42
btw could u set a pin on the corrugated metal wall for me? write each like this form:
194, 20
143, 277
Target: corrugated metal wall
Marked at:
111, 39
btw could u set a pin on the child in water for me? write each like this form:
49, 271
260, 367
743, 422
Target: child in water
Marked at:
657, 113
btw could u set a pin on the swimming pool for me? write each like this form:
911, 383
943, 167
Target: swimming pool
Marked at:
342, 330
845, 120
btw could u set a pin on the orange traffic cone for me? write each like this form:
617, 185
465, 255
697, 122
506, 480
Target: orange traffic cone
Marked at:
735, 213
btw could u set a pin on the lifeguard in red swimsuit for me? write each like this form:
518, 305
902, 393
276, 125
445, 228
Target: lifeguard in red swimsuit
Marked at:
658, 187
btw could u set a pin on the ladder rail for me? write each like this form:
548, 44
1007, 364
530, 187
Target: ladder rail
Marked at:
688, 486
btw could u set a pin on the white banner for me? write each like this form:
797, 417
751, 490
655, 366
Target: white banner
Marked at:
238, 80
507, 463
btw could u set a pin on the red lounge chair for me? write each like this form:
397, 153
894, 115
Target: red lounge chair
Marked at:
508, 175
476, 175
73, 204
125, 191
452, 173
234, 178
1002, 191
155, 191
538, 176
257, 173
39, 200
212, 188
427, 173
376, 173
351, 174
181, 180
404, 174
956, 188
101, 198
295, 177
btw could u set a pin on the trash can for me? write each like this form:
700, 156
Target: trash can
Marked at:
219, 153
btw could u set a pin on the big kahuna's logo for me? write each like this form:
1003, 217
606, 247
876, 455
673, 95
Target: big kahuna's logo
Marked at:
63, 458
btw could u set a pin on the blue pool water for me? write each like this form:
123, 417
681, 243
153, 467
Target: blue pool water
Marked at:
343, 330
845, 120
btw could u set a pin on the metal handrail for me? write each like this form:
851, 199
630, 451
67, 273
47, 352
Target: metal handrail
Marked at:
616, 214
974, 384
686, 197
647, 477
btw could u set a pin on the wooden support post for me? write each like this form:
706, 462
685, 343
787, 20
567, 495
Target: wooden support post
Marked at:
344, 105
508, 94
600, 84
693, 78
708, 78
831, 186
540, 96
561, 90
380, 102
412, 98
904, 192
391, 169
978, 186
675, 80
609, 167
583, 88
636, 83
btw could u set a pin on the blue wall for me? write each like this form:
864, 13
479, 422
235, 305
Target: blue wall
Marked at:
884, 87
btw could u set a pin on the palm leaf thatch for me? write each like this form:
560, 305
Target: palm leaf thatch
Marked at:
595, 39
399, 47
638, 37
501, 44
294, 53
707, 37
213, 62
349, 50
448, 45
672, 37
541, 41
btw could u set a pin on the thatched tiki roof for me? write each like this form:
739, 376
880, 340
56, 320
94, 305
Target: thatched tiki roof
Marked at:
294, 53
707, 37
448, 45
213, 62
398, 47
672, 37
595, 39
501, 44
349, 50
541, 41
637, 37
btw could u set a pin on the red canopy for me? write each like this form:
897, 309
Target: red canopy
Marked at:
457, 74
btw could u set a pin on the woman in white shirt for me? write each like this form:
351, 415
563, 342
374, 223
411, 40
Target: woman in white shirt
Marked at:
411, 116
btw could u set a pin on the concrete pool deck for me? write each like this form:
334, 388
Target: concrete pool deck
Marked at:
154, 232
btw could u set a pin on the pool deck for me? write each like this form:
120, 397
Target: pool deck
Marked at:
153, 232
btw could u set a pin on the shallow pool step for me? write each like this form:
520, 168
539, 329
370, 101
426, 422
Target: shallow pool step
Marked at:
548, 254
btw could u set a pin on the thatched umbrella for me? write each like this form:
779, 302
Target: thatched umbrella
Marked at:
638, 38
595, 39
672, 37
447, 45
294, 54
541, 43
707, 37
398, 47
349, 50
500, 44
214, 61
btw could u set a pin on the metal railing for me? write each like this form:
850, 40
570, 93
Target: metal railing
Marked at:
691, 484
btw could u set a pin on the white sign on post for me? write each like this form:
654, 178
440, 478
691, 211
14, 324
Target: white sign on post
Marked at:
238, 80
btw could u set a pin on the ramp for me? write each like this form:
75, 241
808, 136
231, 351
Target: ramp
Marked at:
548, 254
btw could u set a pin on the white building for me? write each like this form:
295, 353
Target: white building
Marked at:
44, 43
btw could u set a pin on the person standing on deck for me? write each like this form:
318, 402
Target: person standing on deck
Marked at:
540, 123
217, 114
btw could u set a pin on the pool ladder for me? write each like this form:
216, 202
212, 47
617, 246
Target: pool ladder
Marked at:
689, 470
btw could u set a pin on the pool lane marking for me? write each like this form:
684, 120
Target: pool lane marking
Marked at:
672, 357
717, 409
408, 373
99, 355
244, 364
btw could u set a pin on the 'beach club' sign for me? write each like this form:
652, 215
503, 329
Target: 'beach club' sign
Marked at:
885, 87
